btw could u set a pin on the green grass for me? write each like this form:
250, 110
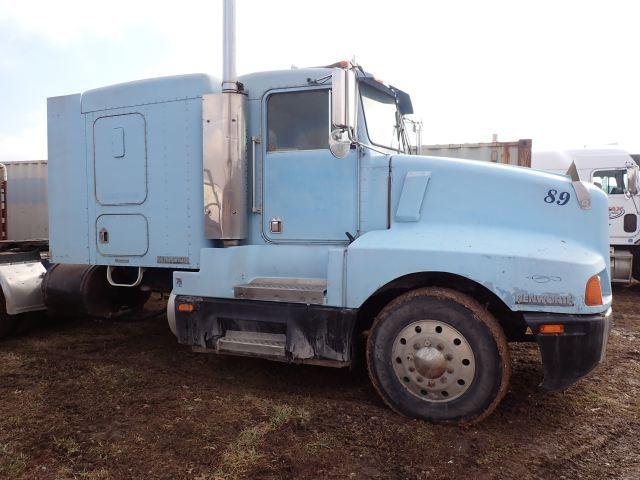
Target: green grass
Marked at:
67, 446
12, 463
245, 451
497, 454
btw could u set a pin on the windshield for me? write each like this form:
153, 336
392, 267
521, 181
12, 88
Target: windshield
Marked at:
612, 182
381, 117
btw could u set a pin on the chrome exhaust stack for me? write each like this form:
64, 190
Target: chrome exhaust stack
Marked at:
224, 148
229, 77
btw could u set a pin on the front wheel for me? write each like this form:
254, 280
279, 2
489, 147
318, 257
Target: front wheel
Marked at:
438, 355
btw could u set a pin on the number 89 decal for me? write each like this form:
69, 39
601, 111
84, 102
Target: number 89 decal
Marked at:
553, 197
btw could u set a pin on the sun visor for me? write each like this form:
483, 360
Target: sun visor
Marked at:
403, 99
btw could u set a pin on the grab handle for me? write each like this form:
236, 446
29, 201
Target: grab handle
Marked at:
134, 284
254, 141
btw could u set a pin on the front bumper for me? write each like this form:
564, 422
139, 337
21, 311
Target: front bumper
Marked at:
569, 356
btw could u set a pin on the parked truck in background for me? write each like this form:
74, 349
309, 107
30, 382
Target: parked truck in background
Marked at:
284, 215
23, 237
615, 172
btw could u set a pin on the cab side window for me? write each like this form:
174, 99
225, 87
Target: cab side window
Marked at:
612, 182
298, 121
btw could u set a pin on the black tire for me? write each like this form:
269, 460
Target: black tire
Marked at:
635, 269
455, 312
7, 322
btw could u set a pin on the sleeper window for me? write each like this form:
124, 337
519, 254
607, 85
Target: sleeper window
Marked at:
298, 120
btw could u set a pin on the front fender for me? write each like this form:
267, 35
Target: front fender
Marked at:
528, 271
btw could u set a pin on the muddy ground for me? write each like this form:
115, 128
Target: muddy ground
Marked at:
119, 400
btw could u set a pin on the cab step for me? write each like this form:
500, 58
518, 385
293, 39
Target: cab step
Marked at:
294, 290
253, 343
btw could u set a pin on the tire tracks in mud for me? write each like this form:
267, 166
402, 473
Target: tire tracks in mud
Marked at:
603, 450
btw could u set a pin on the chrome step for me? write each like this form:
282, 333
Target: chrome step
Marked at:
253, 343
295, 290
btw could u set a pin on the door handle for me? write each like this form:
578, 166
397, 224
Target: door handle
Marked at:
103, 235
275, 225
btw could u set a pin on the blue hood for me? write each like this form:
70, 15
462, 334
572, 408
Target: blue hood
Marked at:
517, 231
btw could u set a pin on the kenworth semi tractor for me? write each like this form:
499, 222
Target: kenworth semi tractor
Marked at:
616, 173
282, 212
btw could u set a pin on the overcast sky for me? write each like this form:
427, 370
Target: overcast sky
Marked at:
563, 73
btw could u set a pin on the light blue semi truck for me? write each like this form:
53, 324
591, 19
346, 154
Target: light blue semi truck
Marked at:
282, 212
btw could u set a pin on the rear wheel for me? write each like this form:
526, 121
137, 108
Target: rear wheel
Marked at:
7, 322
635, 269
437, 355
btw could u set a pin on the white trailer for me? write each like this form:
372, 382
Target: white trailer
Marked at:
612, 170
516, 152
23, 201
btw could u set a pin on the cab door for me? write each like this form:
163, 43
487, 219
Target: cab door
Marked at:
308, 194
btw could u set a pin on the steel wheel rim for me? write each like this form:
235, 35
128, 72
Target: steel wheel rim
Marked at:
433, 361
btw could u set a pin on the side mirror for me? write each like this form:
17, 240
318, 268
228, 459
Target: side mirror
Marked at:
344, 111
632, 180
339, 143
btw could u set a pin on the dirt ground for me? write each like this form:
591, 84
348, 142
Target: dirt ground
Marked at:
119, 400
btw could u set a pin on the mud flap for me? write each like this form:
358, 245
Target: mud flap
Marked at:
20, 281
569, 356
21, 285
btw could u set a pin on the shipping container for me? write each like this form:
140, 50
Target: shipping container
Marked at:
509, 153
23, 201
